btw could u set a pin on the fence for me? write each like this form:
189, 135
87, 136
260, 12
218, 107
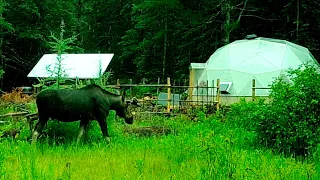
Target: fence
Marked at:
173, 97
163, 97
183, 105
254, 89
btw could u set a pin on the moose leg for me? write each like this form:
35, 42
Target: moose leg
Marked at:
104, 129
86, 129
83, 125
38, 129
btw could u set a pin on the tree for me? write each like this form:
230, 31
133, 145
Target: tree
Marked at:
60, 46
5, 28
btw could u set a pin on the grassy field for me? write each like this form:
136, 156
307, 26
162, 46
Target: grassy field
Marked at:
206, 149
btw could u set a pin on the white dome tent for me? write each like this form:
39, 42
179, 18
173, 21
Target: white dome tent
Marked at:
262, 59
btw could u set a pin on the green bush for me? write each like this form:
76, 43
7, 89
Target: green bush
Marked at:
246, 114
290, 122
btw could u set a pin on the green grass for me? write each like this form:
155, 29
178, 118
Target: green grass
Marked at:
207, 149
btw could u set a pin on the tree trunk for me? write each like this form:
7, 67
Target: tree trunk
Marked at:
79, 16
298, 14
165, 48
225, 11
1, 55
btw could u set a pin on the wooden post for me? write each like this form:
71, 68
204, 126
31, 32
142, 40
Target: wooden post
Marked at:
169, 95
207, 100
118, 85
173, 91
118, 82
157, 95
253, 89
131, 87
218, 94
191, 83
212, 92
197, 92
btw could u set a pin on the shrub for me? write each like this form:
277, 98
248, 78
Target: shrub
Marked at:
246, 114
290, 122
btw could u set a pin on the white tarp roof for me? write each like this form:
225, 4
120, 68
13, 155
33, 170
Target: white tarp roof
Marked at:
83, 66
262, 59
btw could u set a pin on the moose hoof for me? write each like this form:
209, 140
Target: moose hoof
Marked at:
108, 140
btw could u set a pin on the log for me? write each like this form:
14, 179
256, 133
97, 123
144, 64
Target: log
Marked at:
32, 115
13, 114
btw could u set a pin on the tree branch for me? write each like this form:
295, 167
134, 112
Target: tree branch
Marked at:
248, 15
244, 6
251, 10
210, 20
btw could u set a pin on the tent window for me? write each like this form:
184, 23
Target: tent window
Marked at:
224, 87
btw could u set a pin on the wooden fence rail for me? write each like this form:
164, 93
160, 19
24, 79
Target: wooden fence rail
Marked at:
172, 88
254, 89
212, 99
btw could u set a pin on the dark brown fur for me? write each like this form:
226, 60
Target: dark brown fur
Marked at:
88, 103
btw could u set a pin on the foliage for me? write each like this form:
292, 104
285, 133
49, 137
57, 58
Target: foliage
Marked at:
246, 114
150, 39
16, 96
59, 46
208, 149
290, 121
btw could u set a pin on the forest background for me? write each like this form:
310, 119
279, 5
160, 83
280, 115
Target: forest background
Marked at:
149, 39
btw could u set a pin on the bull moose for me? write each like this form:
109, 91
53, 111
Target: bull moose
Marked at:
85, 104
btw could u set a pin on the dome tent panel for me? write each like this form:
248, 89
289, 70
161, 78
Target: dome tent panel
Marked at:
265, 45
271, 40
247, 90
261, 58
218, 59
223, 74
244, 47
274, 56
240, 81
298, 47
293, 60
255, 65
236, 57
219, 62
264, 78
301, 55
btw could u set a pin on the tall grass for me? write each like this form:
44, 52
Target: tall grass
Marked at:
207, 149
